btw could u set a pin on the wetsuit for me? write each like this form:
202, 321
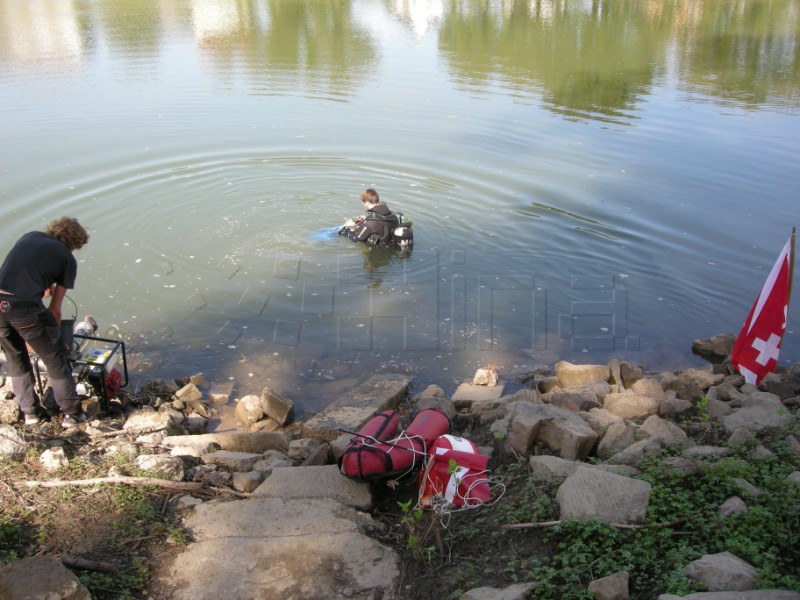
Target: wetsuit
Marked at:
375, 228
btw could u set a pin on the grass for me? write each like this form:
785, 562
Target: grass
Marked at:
119, 526
682, 525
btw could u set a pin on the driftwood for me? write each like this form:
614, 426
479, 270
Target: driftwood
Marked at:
183, 486
543, 524
74, 562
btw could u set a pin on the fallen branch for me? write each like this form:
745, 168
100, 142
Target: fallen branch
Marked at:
544, 524
183, 486
74, 562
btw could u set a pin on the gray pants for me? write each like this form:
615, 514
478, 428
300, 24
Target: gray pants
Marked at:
24, 322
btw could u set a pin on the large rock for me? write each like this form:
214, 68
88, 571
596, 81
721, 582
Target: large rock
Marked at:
170, 466
551, 468
11, 443
723, 572
749, 595
467, 394
618, 437
249, 410
666, 432
150, 420
518, 591
595, 494
714, 349
630, 406
9, 411
40, 578
570, 375
277, 407
377, 394
561, 430
761, 413
613, 587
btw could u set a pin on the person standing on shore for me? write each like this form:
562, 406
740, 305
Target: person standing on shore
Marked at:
41, 264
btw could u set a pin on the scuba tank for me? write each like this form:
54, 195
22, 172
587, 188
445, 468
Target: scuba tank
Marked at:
403, 235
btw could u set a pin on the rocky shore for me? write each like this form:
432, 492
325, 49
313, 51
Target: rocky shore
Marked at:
271, 516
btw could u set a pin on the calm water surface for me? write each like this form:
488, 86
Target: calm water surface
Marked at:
587, 179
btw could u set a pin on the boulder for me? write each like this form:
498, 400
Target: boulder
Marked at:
561, 430
599, 419
189, 393
150, 420
595, 494
551, 469
722, 572
574, 400
759, 415
54, 459
518, 591
732, 506
249, 409
11, 443
630, 406
649, 387
714, 349
613, 587
571, 375
350, 413
635, 452
748, 595
220, 393
704, 378
666, 432
40, 577
232, 461
467, 393
618, 437
9, 412
277, 407
171, 466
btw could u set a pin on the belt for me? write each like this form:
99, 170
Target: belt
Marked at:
9, 301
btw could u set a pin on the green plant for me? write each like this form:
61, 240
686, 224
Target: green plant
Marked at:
702, 408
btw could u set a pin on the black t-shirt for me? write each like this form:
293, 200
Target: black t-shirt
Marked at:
35, 263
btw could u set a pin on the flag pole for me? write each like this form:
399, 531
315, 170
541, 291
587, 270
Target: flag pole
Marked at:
791, 263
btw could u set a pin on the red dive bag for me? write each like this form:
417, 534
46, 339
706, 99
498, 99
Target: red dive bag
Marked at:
365, 459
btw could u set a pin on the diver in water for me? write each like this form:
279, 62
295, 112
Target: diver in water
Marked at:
379, 226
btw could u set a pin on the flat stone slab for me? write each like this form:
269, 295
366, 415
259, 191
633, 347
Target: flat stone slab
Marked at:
235, 441
316, 482
467, 393
279, 548
378, 393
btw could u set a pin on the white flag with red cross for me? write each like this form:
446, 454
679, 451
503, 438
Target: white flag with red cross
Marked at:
755, 353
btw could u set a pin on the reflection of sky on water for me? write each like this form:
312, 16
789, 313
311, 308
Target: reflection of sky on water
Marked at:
544, 49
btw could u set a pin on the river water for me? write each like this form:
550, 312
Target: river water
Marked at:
587, 179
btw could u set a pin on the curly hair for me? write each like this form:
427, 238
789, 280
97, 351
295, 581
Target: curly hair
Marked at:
69, 232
